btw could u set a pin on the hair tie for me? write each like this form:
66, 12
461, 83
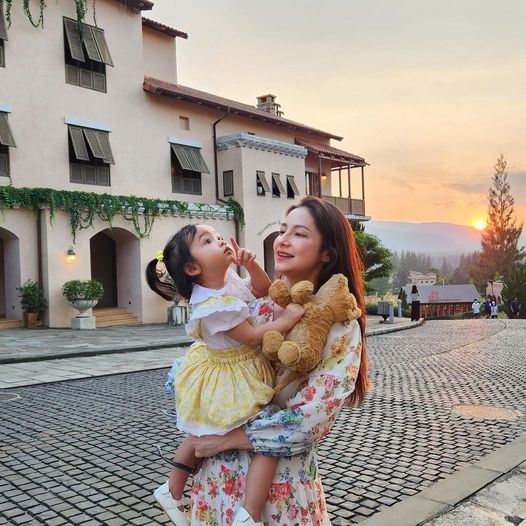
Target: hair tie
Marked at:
160, 255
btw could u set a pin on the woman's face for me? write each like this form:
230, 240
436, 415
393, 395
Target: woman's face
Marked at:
297, 249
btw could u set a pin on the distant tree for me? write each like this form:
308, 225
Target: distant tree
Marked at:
445, 268
379, 285
500, 251
459, 277
515, 286
376, 258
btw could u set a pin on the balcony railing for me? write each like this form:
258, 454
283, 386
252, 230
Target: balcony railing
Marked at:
347, 206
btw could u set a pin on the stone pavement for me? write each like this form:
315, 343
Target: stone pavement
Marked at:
19, 345
83, 451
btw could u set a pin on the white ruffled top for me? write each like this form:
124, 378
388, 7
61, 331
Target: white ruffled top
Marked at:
214, 311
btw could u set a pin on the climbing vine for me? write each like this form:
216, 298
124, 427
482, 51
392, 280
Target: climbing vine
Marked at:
85, 207
81, 9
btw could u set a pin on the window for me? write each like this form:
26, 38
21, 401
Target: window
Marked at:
89, 156
292, 189
187, 166
6, 141
3, 35
184, 123
228, 183
277, 186
262, 186
86, 57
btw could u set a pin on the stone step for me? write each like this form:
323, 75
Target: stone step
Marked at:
108, 317
10, 324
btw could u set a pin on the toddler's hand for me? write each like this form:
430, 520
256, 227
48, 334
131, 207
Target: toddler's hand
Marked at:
243, 257
293, 313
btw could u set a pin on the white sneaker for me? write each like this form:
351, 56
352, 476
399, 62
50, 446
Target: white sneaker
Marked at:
243, 518
170, 505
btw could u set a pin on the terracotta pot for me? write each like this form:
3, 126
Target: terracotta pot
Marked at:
30, 319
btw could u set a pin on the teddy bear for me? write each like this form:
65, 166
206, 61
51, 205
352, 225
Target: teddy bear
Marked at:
301, 348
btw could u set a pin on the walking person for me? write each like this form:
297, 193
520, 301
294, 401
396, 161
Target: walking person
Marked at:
475, 307
494, 310
414, 299
515, 308
487, 307
315, 241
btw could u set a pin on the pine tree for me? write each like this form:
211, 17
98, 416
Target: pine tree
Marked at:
500, 252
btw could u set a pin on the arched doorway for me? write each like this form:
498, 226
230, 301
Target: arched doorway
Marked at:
115, 262
268, 252
9, 275
103, 251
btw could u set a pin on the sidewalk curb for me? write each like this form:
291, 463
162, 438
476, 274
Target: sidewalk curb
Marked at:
41, 357
444, 495
394, 328
182, 342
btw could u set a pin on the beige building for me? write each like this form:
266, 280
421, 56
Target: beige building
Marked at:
101, 112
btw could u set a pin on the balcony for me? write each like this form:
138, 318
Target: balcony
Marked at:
355, 207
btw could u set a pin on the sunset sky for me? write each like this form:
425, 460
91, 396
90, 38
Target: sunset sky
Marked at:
430, 93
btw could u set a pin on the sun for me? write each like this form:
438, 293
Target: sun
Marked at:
480, 224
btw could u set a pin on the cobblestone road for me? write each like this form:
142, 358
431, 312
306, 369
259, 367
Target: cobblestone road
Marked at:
83, 452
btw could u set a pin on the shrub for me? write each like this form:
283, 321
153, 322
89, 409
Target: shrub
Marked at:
83, 289
32, 297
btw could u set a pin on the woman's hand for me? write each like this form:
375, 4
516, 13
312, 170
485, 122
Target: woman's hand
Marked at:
210, 445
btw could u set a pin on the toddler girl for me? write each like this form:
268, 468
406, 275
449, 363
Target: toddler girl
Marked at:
224, 379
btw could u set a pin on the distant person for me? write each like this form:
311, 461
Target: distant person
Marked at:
475, 307
487, 307
494, 310
515, 307
414, 299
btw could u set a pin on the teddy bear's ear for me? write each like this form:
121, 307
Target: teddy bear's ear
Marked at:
279, 292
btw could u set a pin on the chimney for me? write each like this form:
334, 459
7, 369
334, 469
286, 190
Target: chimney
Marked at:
268, 103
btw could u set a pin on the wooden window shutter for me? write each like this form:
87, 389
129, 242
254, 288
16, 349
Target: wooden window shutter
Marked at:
4, 165
93, 141
3, 28
104, 142
91, 46
72, 75
2, 54
86, 78
103, 176
90, 174
73, 38
98, 36
228, 183
292, 182
181, 157
263, 180
75, 173
79, 146
6, 136
278, 182
99, 82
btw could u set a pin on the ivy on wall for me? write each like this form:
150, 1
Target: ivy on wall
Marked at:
85, 207
37, 20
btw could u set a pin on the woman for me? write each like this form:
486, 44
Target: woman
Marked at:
414, 299
315, 242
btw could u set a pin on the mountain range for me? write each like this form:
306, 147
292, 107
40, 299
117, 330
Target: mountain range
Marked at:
435, 239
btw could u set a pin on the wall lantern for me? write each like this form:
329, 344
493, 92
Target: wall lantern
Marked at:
71, 254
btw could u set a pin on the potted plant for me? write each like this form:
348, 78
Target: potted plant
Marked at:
83, 294
33, 302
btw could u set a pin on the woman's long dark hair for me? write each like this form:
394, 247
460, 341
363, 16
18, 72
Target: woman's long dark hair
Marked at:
176, 254
338, 240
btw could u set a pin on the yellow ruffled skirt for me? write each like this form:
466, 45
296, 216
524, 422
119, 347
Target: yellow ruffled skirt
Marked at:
218, 390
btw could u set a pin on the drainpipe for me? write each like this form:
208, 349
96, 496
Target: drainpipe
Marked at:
214, 126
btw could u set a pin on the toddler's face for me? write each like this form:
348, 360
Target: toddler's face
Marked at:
209, 249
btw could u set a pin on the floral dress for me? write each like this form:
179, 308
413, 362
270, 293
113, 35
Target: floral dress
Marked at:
311, 406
